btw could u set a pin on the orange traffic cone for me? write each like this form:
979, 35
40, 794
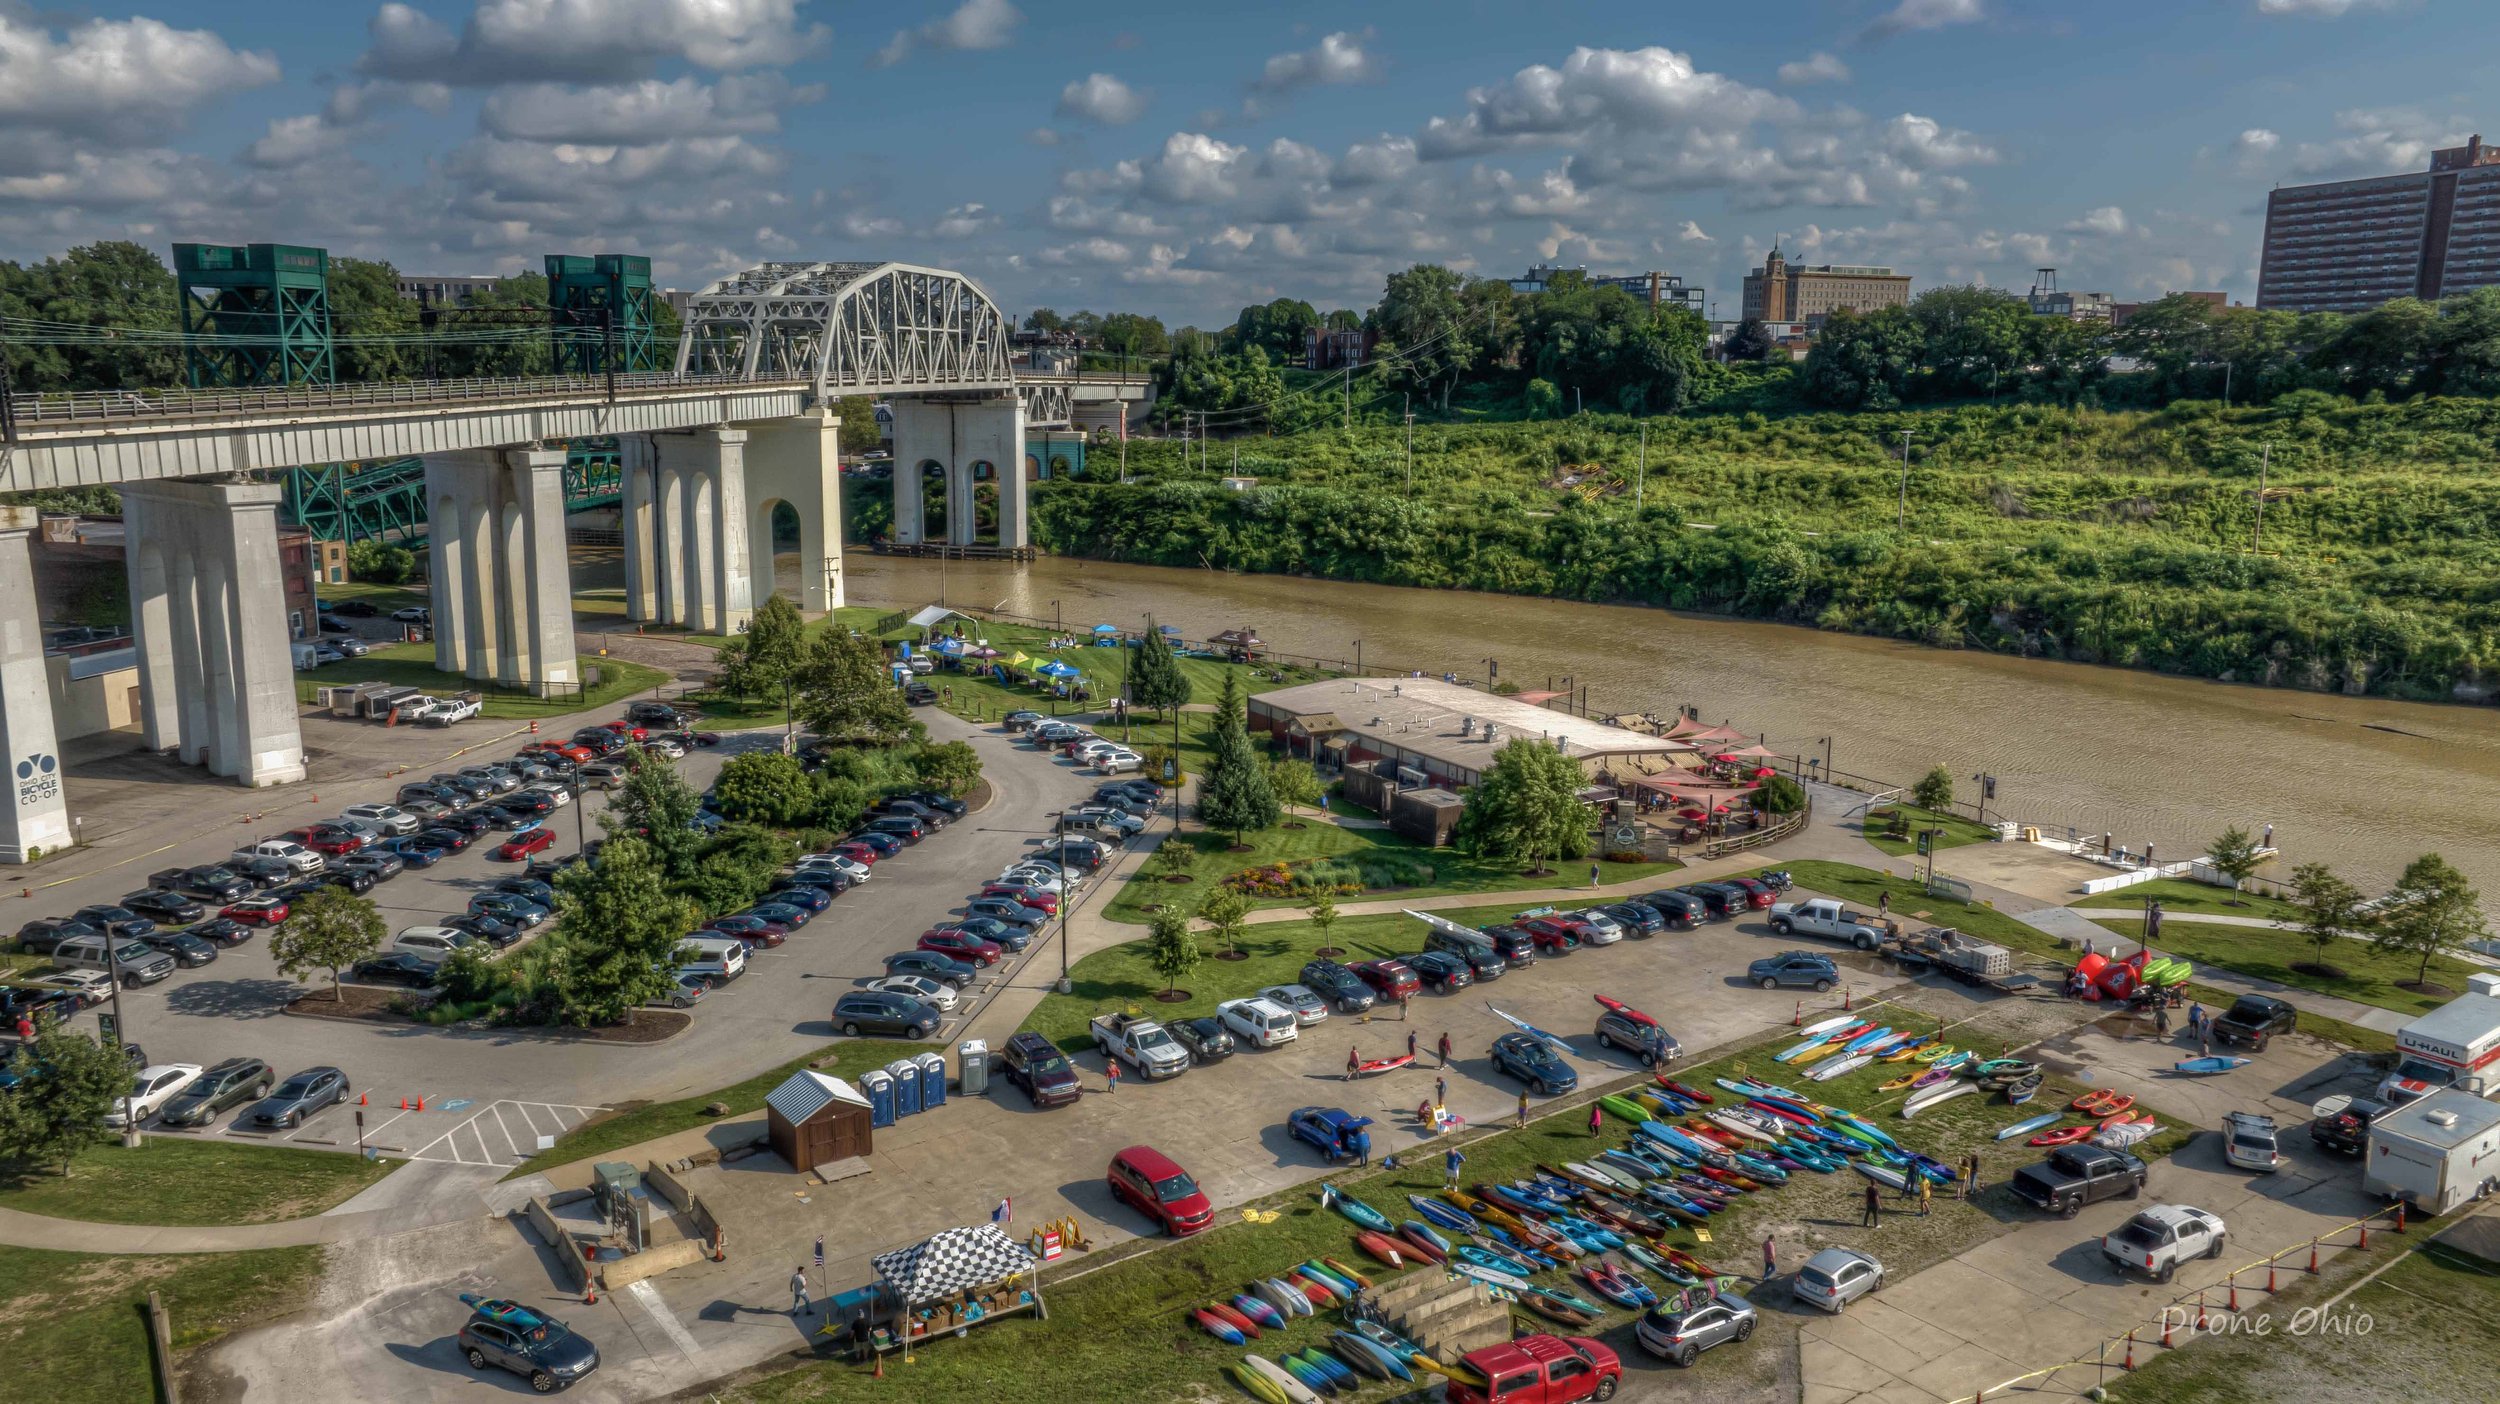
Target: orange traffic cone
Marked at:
420, 1103
590, 1292
2129, 1367
403, 1104
364, 1099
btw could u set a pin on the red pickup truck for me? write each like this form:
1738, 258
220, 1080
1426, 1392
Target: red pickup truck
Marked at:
1540, 1370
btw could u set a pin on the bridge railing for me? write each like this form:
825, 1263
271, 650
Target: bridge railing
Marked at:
91, 405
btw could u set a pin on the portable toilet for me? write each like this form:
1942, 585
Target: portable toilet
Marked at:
906, 1075
972, 1059
879, 1090
932, 1080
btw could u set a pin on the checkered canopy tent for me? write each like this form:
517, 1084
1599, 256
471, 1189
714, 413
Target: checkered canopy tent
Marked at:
950, 1262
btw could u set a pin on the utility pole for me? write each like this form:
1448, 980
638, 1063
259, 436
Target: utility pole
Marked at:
113, 1041
1410, 438
2265, 461
1902, 522
1640, 474
1349, 397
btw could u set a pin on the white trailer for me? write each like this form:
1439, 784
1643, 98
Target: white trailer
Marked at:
2436, 1153
2454, 1047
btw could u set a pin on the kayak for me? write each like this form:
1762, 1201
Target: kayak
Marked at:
1934, 1095
1283, 1296
1217, 1326
1355, 1209
1940, 1051
1839, 1067
1381, 1065
1491, 1276
1689, 1094
1260, 1384
2026, 1127
2062, 1136
1531, 1030
1422, 1242
2208, 1067
1626, 1108
1443, 1215
1890, 1179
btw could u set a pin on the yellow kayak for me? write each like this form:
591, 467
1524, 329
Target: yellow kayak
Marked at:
1815, 1055
1901, 1083
1259, 1385
1929, 1055
1903, 1054
1491, 1213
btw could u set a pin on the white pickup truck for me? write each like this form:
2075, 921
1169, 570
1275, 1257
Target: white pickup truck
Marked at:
449, 710
1824, 917
1141, 1043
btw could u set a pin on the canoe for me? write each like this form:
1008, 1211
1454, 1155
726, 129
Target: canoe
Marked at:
2207, 1067
1616, 1006
1259, 1383
1626, 1108
1735, 1125
1930, 1078
1904, 1052
1932, 1096
1532, 1031
2023, 1091
1355, 1209
1615, 1286
1562, 1306
1868, 1039
1387, 1340
1383, 1247
1252, 1306
2004, 1069
1312, 1376
1902, 1083
2029, 1125
1425, 1234
1350, 1345
1421, 1245
1293, 1390
1840, 1021
1840, 1067
1891, 1179
1218, 1327
1688, 1262
1940, 1051
1485, 1257
2101, 1102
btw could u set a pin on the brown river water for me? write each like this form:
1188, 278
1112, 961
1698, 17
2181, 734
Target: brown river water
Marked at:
2361, 783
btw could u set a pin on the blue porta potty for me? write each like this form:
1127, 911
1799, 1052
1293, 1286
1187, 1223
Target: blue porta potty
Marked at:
932, 1080
879, 1090
906, 1075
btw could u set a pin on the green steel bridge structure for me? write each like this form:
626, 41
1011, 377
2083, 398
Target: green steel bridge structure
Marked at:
385, 501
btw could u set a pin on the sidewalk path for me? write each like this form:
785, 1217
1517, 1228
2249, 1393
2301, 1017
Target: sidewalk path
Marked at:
419, 1195
2075, 926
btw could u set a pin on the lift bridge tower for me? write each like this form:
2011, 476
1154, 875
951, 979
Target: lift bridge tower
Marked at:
600, 306
255, 315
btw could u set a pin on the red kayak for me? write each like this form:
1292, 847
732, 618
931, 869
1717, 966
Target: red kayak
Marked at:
1383, 1247
2064, 1135
1381, 1065
1421, 1247
1690, 1094
1231, 1316
1617, 1006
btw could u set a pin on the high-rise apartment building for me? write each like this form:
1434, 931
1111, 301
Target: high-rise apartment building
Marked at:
1780, 291
2349, 245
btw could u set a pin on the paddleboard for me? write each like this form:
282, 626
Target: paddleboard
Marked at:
1891, 1179
1549, 1040
1294, 1390
1259, 1382
1943, 1093
2026, 1127
1839, 1067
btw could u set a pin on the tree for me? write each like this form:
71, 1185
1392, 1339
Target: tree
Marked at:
1934, 790
2432, 912
1322, 909
1236, 796
1294, 782
65, 1084
1541, 399
380, 563
2329, 906
1225, 912
1155, 681
1425, 315
1171, 951
656, 805
737, 866
1526, 807
1781, 795
329, 928
1751, 341
617, 925
767, 787
2235, 855
766, 660
844, 694
365, 302
951, 766
860, 430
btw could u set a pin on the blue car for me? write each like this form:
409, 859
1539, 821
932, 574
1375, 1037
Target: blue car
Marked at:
788, 917
1797, 969
815, 899
1338, 1133
416, 851
1011, 939
1527, 1058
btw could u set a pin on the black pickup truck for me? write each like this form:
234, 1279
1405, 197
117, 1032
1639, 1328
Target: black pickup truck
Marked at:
2074, 1176
2253, 1019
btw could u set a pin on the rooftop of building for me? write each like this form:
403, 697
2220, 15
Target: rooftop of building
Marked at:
1428, 716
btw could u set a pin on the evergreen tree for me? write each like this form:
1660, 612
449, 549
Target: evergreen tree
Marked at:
656, 805
1155, 681
2235, 856
1236, 796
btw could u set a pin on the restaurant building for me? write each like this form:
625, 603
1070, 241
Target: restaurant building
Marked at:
1439, 734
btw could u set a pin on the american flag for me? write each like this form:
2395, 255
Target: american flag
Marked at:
820, 1250
1004, 1213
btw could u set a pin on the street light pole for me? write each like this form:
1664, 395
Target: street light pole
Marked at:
1902, 522
121, 1036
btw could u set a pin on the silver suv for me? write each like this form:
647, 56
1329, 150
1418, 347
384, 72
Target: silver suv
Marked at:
130, 961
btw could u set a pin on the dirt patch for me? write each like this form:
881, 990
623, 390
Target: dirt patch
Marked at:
1172, 997
363, 1004
355, 1003
1179, 877
979, 796
1232, 955
1295, 824
2425, 987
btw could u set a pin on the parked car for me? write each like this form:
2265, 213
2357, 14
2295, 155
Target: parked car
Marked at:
1553, 935
1441, 972
863, 1012
115, 921
431, 846
885, 844
187, 950
906, 830
1012, 912
296, 856
943, 967
503, 906
1349, 992
1306, 1004
1794, 969
1597, 928
224, 931
2343, 1123
2074, 1176
1035, 1064
257, 911
223, 1085
1529, 1059
413, 614
376, 863
1679, 1334
1637, 1034
1759, 895
1514, 946
1338, 1133
1539, 1369
2157, 1240
538, 1348
1636, 918
494, 931
1261, 1023
1024, 894
150, 1089
1011, 939
1155, 1185
2253, 1020
1835, 1277
936, 994
44, 935
88, 987
1681, 911
535, 839
1388, 977
209, 882
129, 959
960, 945
1205, 1037
387, 817
2249, 1142
1720, 900
684, 992
394, 968
299, 1097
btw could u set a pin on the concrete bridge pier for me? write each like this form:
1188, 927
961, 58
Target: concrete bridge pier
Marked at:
36, 815
968, 439
798, 462
699, 551
503, 587
208, 612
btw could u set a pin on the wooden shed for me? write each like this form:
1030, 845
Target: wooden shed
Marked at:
813, 1120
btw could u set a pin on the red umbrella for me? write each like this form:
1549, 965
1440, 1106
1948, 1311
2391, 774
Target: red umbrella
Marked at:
1724, 759
1690, 812
1718, 809
1764, 773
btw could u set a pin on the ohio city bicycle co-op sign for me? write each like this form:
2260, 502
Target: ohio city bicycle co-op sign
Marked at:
38, 779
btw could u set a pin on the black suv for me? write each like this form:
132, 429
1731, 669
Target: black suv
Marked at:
897, 805
1637, 917
1205, 1038
658, 715
1680, 911
537, 1348
1717, 898
44, 935
228, 1084
1484, 962
172, 908
2253, 1019
1339, 986
877, 1012
209, 883
1035, 1064
947, 805
1516, 946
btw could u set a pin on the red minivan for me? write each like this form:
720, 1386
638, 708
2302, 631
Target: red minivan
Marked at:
1390, 979
1150, 1182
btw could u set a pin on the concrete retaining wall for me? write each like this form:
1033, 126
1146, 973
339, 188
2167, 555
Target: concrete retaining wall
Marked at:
571, 1273
651, 1262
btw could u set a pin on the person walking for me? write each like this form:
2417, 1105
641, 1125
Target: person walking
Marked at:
1926, 1195
2161, 1020
1445, 1048
1970, 1176
1410, 1038
1523, 1109
1410, 1043
1883, 903
1874, 1215
1449, 1167
1597, 1119
1593, 872
1111, 1076
2205, 1041
798, 1290
1440, 1089
2196, 1019
1770, 1257
1353, 1063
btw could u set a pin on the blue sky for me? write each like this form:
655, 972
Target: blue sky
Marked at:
1187, 159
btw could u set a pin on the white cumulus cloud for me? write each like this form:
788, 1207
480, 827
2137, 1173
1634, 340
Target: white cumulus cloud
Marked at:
2104, 220
508, 41
1339, 58
1814, 68
2320, 9
1912, 15
976, 24
1100, 97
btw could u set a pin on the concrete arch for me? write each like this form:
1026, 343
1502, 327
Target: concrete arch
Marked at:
768, 543
512, 664
446, 571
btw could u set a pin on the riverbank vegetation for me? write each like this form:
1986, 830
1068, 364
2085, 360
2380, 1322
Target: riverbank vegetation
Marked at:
2121, 537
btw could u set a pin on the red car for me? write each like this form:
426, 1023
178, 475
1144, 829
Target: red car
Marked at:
1390, 978
257, 911
753, 930
857, 852
525, 843
1154, 1185
328, 838
1555, 933
1540, 1370
1758, 895
1028, 896
948, 941
629, 731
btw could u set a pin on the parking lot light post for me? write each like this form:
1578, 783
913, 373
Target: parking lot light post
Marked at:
1067, 899
120, 1036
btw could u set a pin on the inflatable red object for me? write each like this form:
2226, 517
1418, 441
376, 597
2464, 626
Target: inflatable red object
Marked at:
2091, 966
2118, 981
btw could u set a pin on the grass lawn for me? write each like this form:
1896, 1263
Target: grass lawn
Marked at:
174, 1180
76, 1323
1385, 864
2270, 955
1121, 978
633, 1125
2433, 1326
412, 665
2180, 897
2352, 1036
1957, 830
1129, 1321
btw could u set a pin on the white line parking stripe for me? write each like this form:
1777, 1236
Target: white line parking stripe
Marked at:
665, 1319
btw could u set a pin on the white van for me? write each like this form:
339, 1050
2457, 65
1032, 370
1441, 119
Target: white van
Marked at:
131, 962
718, 959
432, 943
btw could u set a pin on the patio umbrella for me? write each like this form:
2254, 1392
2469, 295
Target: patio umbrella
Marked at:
1690, 811
1725, 758
1764, 773
1718, 809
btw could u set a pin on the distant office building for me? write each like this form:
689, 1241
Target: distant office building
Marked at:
444, 290
1780, 291
1655, 288
2349, 245
1323, 349
2047, 299
2119, 312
